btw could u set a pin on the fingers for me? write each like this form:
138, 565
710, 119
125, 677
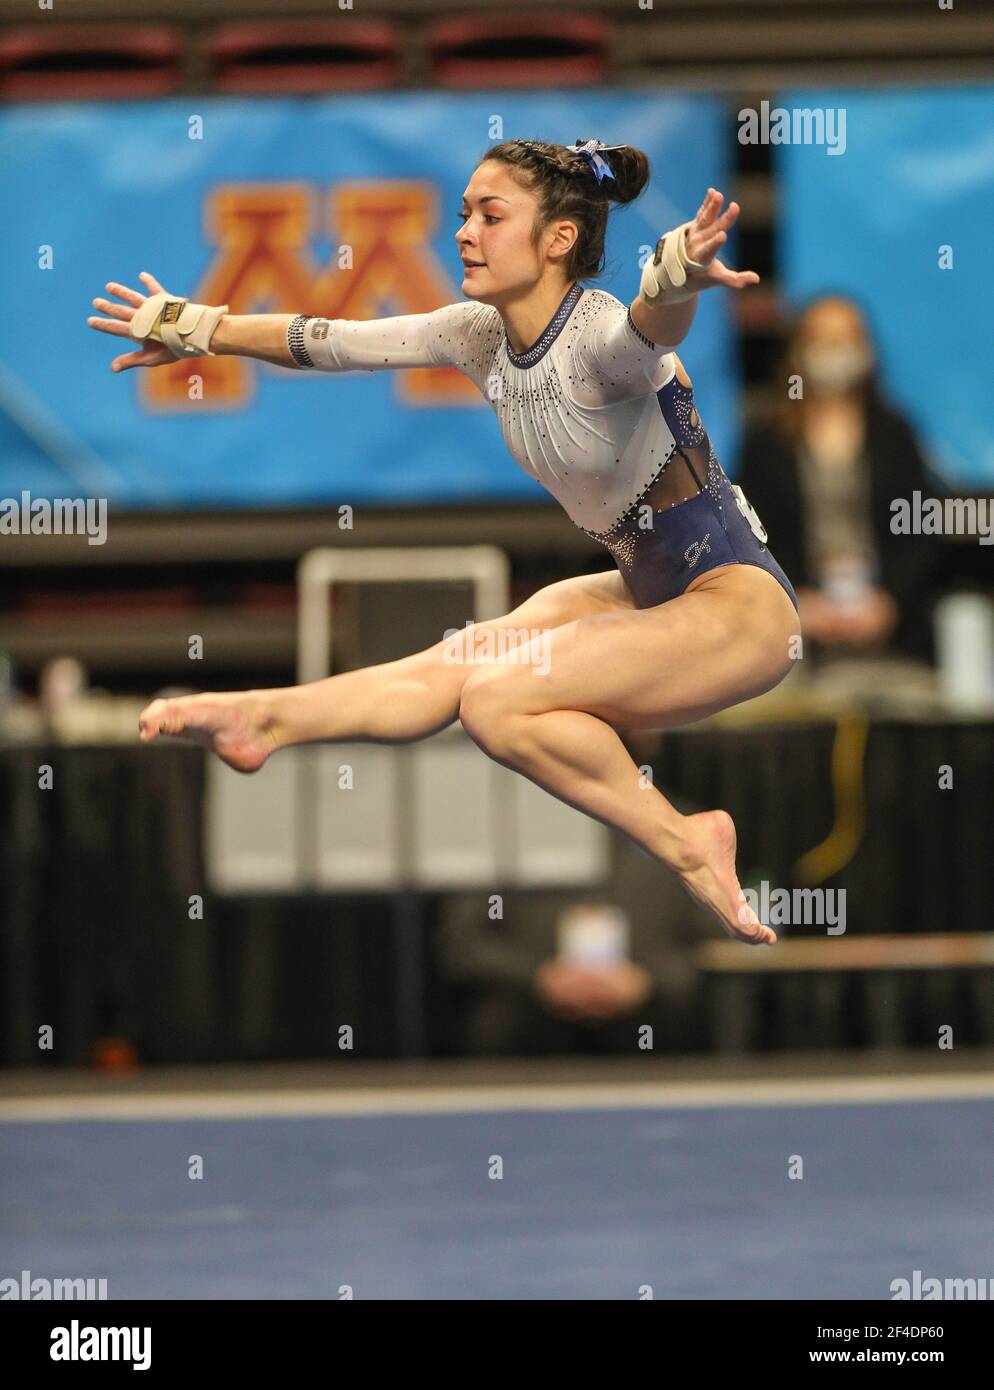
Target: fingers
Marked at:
707, 212
119, 322
145, 357
729, 215
710, 232
130, 359
118, 311
719, 275
134, 297
716, 234
708, 208
109, 326
734, 279
131, 296
709, 243
151, 282
122, 314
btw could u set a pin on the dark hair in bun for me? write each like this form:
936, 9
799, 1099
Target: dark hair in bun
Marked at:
567, 187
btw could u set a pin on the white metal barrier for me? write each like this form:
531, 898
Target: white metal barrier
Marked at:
485, 566
376, 817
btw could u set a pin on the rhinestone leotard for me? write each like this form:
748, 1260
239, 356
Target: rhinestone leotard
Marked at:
594, 411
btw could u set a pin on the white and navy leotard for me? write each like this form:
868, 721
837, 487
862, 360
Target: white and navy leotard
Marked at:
595, 412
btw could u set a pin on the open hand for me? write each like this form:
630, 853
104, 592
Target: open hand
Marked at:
151, 354
704, 239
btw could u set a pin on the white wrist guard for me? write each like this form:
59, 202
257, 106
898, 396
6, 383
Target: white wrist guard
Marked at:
184, 328
664, 274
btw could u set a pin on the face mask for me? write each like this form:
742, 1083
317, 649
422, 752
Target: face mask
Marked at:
835, 369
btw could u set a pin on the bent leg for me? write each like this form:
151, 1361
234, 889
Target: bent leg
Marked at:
651, 668
416, 696
392, 702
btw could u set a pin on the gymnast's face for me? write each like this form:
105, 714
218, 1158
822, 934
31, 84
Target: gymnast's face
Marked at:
496, 231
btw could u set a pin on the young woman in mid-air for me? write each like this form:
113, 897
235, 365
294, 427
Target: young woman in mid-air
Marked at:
594, 403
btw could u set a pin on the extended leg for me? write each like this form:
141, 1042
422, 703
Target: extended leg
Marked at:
393, 702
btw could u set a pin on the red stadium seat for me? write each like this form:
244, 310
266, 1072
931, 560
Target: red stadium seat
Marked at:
519, 51
304, 55
52, 62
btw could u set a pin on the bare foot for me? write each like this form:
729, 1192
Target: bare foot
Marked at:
235, 726
712, 880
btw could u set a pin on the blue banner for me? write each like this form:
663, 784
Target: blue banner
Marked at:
250, 203
901, 219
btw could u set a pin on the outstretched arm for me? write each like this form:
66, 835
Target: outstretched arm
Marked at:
670, 323
247, 335
449, 336
254, 335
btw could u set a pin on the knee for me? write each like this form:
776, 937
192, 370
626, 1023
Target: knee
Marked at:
488, 716
774, 658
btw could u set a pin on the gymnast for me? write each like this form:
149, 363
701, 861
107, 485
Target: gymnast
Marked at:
594, 403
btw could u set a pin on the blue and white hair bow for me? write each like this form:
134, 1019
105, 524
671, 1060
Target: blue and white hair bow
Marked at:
590, 150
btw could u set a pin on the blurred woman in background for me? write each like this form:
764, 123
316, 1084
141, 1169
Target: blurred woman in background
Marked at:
823, 472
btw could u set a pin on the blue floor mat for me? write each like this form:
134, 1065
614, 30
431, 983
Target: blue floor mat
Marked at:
695, 1203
